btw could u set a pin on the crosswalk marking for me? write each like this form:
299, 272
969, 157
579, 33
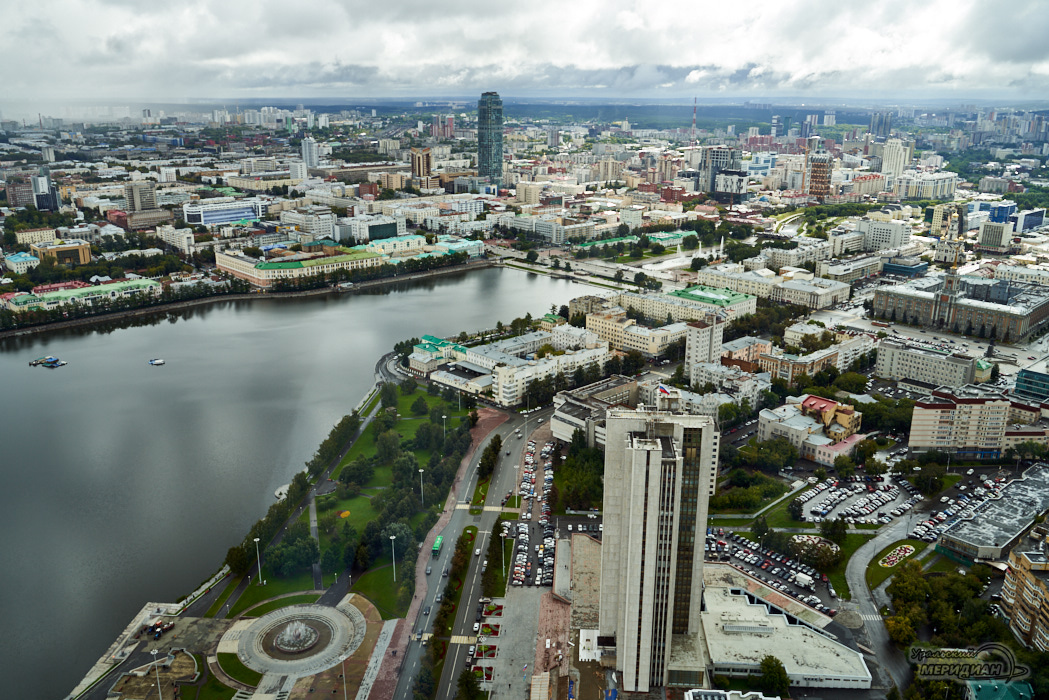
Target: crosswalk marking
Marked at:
871, 618
463, 639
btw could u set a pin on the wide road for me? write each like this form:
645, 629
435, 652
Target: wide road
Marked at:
504, 479
887, 655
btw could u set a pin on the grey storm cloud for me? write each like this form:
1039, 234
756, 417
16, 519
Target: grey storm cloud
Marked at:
257, 48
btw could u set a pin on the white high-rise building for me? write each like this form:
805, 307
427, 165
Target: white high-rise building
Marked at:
894, 158
310, 154
298, 170
659, 470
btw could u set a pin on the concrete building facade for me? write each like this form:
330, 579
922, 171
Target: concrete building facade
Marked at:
651, 555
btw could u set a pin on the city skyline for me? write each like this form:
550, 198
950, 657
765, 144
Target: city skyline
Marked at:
112, 50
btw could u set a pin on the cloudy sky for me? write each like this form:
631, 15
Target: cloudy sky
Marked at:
239, 49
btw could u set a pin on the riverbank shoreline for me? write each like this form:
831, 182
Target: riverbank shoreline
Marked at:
182, 305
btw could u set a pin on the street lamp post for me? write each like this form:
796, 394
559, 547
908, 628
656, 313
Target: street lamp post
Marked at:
258, 558
444, 423
393, 553
156, 668
422, 496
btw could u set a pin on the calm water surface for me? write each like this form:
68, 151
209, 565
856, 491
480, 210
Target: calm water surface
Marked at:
122, 483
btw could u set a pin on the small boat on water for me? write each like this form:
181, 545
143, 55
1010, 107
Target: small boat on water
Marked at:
156, 361
49, 361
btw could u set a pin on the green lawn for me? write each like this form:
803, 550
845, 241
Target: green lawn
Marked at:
282, 603
372, 403
500, 572
376, 584
231, 585
943, 566
275, 586
778, 517
212, 688
853, 541
236, 670
876, 574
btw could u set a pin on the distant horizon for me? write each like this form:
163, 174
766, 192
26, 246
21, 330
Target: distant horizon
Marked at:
19, 110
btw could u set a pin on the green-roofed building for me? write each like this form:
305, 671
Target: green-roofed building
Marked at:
717, 297
625, 240
264, 273
83, 295
432, 352
998, 690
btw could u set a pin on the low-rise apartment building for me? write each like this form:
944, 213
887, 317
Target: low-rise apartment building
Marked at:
626, 334
34, 235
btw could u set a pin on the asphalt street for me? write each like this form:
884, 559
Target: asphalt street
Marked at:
504, 479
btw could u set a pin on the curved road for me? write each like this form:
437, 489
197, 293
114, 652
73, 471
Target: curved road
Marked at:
890, 659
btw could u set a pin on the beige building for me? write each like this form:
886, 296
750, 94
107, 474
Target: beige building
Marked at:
625, 334
746, 349
651, 556
34, 235
968, 421
1025, 597
264, 273
816, 293
72, 251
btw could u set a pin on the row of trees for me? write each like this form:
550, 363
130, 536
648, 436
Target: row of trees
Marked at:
745, 491
10, 319
770, 317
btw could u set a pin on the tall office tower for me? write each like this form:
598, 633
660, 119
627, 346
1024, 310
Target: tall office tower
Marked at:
714, 159
820, 165
777, 128
310, 155
140, 196
490, 137
881, 124
422, 162
45, 194
659, 471
894, 158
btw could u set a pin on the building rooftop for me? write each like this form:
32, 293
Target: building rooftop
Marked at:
313, 262
999, 520
740, 630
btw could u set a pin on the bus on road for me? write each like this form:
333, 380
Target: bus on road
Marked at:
437, 545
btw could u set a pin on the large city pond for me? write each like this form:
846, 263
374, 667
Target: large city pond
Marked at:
122, 483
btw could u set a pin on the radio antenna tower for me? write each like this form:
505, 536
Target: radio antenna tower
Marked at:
692, 138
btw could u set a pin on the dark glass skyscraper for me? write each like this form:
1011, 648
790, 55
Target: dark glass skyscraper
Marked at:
490, 137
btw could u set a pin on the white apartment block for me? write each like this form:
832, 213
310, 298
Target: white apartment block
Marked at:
849, 271
316, 221
903, 360
967, 420
879, 235
703, 342
509, 381
651, 556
